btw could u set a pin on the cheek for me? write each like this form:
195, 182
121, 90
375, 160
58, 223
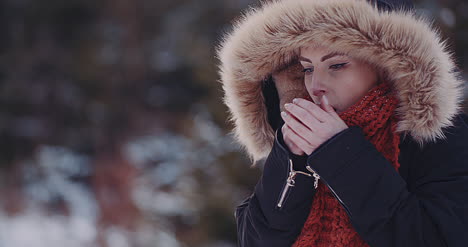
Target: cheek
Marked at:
344, 96
350, 91
354, 88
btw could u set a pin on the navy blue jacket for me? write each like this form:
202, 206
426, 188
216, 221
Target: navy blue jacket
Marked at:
424, 204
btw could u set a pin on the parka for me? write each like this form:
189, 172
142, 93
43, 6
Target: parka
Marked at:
425, 202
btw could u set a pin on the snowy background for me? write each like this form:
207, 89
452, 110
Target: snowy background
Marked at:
112, 128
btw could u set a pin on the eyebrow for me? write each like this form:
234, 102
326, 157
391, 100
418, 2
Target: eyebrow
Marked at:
328, 56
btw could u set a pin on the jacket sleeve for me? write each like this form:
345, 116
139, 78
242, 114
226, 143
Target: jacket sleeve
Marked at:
260, 221
429, 209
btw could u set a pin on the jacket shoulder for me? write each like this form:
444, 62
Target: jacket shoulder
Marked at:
445, 157
455, 136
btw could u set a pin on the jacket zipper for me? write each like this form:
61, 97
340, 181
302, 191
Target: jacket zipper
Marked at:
290, 181
317, 177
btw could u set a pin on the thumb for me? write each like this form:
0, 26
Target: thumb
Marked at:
325, 105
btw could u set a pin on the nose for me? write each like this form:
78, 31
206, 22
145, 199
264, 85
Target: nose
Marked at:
317, 87
318, 92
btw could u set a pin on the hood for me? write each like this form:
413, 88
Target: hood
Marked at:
267, 40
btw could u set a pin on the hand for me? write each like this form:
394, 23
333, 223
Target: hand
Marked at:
308, 125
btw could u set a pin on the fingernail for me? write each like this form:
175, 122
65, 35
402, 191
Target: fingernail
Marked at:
283, 114
287, 105
295, 100
325, 100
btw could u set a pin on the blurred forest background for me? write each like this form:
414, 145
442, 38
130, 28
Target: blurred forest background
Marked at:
112, 127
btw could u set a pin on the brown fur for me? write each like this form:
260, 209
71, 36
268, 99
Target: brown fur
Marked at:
405, 47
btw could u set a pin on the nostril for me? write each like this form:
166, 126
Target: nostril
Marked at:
318, 92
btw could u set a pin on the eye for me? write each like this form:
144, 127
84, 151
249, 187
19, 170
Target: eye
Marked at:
308, 70
337, 66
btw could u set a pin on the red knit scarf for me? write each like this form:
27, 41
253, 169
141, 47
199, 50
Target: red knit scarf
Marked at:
328, 224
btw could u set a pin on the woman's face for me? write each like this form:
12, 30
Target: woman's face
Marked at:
342, 79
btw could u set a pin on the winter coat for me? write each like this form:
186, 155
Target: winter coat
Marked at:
425, 203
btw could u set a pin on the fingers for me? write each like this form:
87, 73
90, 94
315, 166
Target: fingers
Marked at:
298, 127
291, 145
312, 108
308, 125
302, 115
298, 141
295, 149
325, 105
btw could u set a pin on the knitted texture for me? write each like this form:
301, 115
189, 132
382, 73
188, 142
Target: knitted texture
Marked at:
327, 223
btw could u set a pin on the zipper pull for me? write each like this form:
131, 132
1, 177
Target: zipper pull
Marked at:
316, 176
290, 182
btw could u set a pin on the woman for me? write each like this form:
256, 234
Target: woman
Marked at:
356, 108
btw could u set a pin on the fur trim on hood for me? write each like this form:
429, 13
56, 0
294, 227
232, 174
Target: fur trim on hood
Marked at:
406, 48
